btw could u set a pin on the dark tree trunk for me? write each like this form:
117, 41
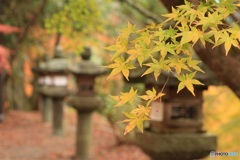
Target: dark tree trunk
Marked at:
15, 86
171, 3
226, 68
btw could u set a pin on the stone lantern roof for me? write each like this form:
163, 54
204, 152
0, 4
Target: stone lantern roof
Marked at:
58, 64
38, 69
54, 65
87, 67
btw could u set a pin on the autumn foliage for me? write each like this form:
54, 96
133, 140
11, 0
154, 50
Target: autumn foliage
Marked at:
167, 47
5, 52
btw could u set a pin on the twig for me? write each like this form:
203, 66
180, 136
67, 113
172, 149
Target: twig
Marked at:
165, 84
32, 21
143, 11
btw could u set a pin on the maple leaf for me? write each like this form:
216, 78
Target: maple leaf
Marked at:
164, 48
136, 118
178, 64
171, 16
192, 35
164, 35
118, 48
212, 20
122, 41
124, 98
134, 53
227, 39
141, 52
145, 37
129, 115
151, 96
194, 64
130, 29
156, 67
130, 126
234, 31
120, 65
141, 111
188, 81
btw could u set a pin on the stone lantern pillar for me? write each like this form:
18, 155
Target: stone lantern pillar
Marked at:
45, 102
85, 102
56, 87
175, 131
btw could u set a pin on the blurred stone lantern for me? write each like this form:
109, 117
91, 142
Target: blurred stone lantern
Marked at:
56, 86
45, 102
175, 127
85, 102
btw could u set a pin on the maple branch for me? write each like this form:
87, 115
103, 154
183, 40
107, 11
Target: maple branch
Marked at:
165, 84
143, 11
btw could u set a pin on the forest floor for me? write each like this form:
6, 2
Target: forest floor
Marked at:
23, 136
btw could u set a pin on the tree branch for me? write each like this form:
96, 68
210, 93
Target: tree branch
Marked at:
26, 29
143, 11
225, 67
32, 21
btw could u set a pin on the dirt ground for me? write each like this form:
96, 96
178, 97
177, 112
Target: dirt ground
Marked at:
23, 136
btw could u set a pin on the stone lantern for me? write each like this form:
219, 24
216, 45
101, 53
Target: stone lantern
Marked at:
45, 102
175, 128
56, 86
85, 102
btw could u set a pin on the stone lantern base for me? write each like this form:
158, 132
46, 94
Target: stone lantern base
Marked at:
84, 106
57, 94
183, 146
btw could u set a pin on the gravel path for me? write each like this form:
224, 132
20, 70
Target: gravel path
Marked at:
23, 136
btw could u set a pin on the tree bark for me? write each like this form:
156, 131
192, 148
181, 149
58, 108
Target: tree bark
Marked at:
20, 100
226, 68
144, 11
171, 3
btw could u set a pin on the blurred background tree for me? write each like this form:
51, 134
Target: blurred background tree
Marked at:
28, 16
221, 117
